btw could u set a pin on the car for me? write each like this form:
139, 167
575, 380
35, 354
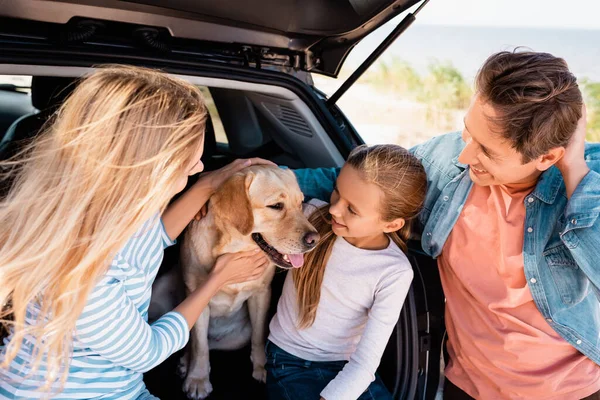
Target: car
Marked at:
254, 61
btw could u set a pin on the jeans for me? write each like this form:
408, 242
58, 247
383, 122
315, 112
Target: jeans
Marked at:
293, 378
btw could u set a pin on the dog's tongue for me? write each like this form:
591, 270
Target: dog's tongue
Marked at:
297, 260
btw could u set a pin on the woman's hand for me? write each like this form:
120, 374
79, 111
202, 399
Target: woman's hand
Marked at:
190, 205
216, 178
239, 267
229, 268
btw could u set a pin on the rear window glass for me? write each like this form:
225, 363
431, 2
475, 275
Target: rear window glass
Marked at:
220, 134
21, 83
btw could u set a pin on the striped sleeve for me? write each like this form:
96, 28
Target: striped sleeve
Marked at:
166, 240
112, 327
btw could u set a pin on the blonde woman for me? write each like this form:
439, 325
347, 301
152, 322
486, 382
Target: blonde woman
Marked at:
82, 234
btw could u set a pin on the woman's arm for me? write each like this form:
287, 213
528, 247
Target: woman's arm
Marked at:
112, 326
179, 214
229, 268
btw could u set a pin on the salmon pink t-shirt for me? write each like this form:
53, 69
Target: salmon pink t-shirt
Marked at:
500, 345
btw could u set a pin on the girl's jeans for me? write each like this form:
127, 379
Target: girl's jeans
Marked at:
292, 378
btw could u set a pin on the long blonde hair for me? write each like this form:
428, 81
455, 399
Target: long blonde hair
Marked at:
110, 160
402, 180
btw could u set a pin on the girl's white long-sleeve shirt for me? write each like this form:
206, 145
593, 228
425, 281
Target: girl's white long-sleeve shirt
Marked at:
361, 298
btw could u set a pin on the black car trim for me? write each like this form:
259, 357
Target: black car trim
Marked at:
35, 54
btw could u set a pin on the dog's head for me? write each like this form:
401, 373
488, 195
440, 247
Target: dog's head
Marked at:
265, 203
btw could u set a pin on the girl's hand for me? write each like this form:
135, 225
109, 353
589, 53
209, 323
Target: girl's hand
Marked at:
239, 267
216, 178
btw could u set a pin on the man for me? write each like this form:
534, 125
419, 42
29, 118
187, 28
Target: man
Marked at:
512, 217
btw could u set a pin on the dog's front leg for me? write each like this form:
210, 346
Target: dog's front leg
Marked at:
197, 383
258, 306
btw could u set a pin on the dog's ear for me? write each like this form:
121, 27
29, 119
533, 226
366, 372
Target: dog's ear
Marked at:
231, 202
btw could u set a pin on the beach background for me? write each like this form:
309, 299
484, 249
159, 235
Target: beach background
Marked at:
421, 86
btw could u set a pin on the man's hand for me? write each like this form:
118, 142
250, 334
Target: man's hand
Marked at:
572, 165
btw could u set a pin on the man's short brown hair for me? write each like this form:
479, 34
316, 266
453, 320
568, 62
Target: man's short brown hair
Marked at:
536, 99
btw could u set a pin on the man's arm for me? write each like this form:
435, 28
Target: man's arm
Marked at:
582, 231
572, 165
581, 234
317, 183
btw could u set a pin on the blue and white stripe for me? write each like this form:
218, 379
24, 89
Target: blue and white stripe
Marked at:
113, 344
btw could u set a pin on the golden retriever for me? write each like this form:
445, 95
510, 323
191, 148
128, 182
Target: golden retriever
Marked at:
260, 206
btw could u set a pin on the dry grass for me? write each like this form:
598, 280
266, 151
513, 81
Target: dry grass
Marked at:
394, 104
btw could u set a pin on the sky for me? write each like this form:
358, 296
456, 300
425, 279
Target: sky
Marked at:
569, 14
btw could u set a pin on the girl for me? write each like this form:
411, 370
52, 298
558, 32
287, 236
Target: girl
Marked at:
81, 238
336, 313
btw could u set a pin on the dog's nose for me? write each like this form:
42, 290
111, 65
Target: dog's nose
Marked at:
311, 239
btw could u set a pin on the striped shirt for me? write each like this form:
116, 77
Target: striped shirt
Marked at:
113, 343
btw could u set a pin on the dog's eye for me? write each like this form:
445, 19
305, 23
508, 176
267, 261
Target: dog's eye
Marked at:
276, 206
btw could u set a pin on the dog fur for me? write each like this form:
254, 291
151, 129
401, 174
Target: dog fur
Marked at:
248, 203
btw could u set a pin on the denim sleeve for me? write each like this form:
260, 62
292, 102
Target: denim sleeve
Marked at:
581, 234
433, 178
317, 183
413, 150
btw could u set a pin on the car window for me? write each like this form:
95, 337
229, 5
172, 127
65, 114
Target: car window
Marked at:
21, 82
220, 134
15, 100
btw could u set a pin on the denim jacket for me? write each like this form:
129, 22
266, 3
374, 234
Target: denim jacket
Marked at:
561, 246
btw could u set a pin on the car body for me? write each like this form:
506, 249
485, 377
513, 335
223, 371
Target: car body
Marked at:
254, 60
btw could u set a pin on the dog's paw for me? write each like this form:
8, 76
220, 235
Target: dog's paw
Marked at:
259, 359
259, 373
182, 367
197, 389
